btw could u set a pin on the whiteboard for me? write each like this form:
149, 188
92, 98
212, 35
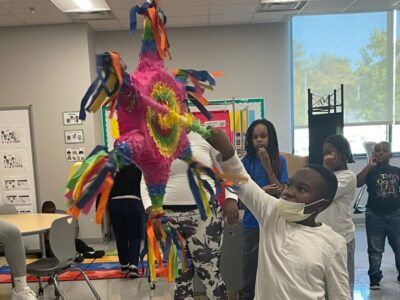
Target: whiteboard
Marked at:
18, 184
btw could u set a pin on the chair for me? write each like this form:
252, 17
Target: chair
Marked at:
294, 162
62, 244
8, 210
369, 149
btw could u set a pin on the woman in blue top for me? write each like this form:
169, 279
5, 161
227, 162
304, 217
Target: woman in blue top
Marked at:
268, 169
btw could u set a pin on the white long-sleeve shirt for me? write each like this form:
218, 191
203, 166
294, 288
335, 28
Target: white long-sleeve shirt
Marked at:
339, 214
294, 261
178, 190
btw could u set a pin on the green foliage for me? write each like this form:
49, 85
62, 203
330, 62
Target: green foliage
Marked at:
364, 85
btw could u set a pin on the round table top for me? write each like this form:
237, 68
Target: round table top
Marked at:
32, 223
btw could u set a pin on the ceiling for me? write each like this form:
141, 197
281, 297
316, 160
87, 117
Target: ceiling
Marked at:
183, 13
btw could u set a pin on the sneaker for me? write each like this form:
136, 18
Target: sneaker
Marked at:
124, 268
26, 294
79, 258
133, 271
94, 254
375, 285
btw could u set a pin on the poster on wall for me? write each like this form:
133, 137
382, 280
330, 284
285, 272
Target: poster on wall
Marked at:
13, 161
71, 118
74, 154
12, 136
17, 197
20, 182
220, 119
18, 186
73, 136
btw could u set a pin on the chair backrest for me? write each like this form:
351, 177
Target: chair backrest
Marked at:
8, 210
294, 162
62, 239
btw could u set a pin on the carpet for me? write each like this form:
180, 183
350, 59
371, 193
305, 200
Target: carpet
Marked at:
106, 267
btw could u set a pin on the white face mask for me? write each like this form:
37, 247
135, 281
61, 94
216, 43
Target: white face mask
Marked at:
294, 211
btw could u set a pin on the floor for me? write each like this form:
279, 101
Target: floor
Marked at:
119, 289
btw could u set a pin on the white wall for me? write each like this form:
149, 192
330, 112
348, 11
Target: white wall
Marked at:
254, 59
49, 67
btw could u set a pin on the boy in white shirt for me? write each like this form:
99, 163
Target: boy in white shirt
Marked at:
298, 258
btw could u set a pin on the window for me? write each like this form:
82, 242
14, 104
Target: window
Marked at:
349, 49
356, 135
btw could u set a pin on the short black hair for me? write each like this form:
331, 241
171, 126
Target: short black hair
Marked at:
48, 205
329, 178
343, 146
385, 143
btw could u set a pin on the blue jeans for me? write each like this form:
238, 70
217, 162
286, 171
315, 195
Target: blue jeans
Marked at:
379, 226
250, 263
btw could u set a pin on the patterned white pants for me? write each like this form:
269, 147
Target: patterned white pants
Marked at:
203, 245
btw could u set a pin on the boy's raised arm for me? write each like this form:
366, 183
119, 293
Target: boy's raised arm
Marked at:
362, 176
248, 191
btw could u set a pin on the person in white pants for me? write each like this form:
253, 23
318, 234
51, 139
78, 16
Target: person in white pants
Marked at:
10, 237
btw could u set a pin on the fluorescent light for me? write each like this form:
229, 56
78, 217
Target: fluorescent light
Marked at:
68, 6
84, 5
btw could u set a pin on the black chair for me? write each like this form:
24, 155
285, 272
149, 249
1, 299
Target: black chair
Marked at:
62, 244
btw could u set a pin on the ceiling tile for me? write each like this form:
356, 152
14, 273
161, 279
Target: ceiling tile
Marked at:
172, 11
10, 20
3, 11
230, 19
53, 18
187, 21
324, 5
229, 2
163, 3
106, 25
233, 9
127, 4
123, 4
24, 7
122, 14
19, 1
126, 24
268, 17
371, 5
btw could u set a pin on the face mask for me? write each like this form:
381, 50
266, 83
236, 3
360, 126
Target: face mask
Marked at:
293, 211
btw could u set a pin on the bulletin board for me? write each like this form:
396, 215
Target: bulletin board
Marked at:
233, 115
18, 180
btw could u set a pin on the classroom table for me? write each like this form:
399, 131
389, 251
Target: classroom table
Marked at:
33, 223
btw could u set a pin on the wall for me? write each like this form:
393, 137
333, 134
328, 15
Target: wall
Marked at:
254, 59
49, 68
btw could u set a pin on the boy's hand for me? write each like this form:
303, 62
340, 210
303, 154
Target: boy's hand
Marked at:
220, 142
231, 211
373, 161
264, 157
273, 189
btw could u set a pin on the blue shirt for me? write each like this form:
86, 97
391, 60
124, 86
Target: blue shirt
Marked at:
257, 172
